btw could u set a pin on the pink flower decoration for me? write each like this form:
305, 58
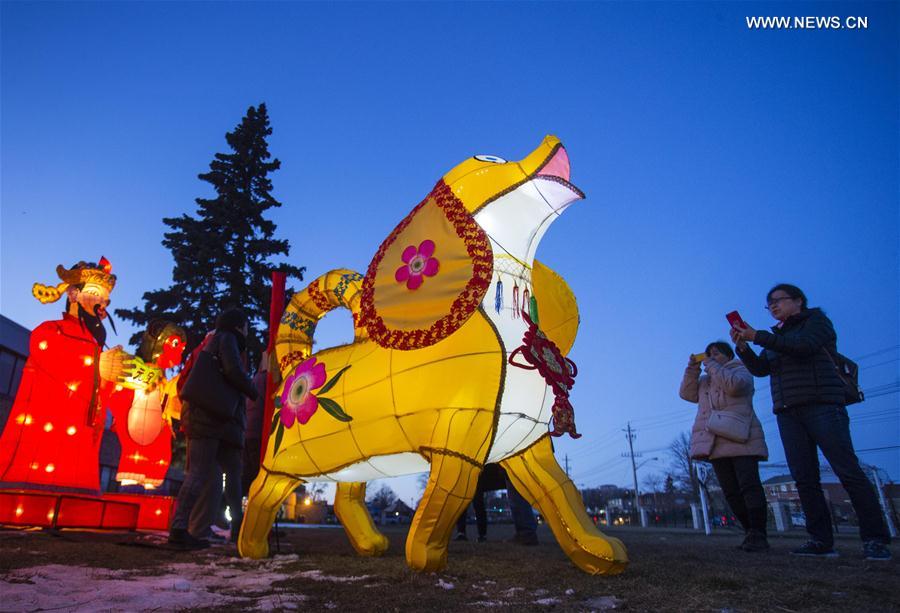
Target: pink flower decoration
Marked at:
418, 263
297, 401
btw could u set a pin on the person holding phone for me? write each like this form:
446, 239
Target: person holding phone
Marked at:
808, 401
727, 389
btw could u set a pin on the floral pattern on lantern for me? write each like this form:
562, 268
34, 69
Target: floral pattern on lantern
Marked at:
417, 264
297, 404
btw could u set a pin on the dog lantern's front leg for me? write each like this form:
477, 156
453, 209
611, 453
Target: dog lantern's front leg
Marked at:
536, 474
267, 493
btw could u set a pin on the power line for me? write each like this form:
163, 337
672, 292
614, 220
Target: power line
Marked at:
867, 367
593, 471
875, 353
877, 449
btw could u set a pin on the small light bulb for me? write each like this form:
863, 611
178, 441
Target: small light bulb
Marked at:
42, 345
88, 360
72, 386
28, 420
35, 466
118, 388
159, 511
19, 510
50, 468
48, 427
71, 430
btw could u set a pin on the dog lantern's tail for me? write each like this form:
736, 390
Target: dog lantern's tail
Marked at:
337, 288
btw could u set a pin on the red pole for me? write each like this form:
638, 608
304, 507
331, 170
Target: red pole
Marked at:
276, 309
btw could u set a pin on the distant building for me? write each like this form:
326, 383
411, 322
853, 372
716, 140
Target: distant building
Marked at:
398, 512
13, 353
783, 489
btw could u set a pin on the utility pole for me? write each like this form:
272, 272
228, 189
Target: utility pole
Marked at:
630, 435
567, 464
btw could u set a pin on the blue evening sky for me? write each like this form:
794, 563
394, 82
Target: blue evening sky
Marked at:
717, 161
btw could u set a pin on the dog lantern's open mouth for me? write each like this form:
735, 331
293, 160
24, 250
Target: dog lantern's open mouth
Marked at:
553, 180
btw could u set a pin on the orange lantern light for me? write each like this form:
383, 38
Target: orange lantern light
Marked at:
140, 419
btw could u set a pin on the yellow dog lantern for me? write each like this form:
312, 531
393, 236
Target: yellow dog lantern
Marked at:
457, 361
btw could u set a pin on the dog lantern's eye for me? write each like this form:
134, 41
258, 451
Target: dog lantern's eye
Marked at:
490, 158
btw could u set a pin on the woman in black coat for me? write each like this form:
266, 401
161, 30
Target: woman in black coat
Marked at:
214, 440
808, 401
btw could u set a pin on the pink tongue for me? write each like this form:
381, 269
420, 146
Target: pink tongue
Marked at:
558, 166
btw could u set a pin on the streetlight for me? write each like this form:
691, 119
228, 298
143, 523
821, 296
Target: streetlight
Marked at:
637, 495
647, 461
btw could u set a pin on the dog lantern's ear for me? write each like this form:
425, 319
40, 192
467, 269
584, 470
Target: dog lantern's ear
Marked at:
428, 276
559, 311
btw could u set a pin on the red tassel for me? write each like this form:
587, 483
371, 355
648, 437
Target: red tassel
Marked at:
515, 300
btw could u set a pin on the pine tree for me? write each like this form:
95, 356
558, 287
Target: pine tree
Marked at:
223, 254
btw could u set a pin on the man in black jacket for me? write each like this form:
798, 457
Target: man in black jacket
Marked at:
215, 441
808, 401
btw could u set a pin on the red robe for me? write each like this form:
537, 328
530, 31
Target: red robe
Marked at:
141, 462
52, 438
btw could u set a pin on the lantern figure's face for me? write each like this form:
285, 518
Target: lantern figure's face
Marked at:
172, 350
93, 298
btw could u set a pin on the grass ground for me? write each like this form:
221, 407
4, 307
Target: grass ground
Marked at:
669, 571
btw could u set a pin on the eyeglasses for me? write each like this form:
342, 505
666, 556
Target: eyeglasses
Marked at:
775, 301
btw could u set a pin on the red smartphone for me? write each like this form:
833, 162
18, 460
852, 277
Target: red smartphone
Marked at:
734, 318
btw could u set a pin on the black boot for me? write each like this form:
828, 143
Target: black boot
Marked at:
185, 540
756, 541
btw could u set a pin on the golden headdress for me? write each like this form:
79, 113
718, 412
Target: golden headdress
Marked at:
81, 273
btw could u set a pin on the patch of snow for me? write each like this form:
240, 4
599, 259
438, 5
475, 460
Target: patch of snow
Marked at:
569, 592
488, 603
512, 591
540, 592
279, 602
444, 585
316, 575
181, 586
603, 603
547, 601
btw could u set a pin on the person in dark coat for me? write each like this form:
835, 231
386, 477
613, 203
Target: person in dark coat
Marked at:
208, 508
253, 434
808, 401
492, 478
213, 441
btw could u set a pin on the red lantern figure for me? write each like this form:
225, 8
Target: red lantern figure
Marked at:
140, 418
52, 438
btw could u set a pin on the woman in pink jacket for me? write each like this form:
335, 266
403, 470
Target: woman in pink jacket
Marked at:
728, 434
